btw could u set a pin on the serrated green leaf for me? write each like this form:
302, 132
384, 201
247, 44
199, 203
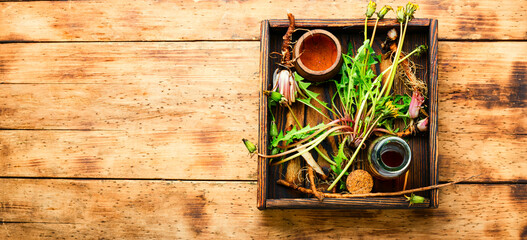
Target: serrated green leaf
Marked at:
295, 134
277, 139
340, 159
308, 103
310, 95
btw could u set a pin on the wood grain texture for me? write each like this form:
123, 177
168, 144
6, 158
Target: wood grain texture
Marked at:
345, 203
233, 20
356, 23
145, 92
187, 155
433, 96
144, 106
179, 154
262, 116
487, 81
190, 65
480, 92
32, 208
495, 157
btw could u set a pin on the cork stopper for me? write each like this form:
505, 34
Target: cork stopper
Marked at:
359, 181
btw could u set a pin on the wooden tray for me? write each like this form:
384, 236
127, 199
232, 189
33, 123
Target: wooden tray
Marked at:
423, 169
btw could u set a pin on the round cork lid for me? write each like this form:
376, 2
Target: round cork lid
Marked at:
359, 181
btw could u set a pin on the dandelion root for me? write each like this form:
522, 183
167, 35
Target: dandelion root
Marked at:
380, 194
287, 38
311, 175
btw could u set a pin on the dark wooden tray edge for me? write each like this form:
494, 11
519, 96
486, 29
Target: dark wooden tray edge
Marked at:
434, 197
351, 23
262, 116
341, 203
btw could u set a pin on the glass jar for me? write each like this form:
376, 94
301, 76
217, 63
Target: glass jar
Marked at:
388, 157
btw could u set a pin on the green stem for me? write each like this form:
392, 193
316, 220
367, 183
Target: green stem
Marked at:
272, 115
311, 145
296, 144
359, 112
324, 156
399, 49
350, 79
391, 66
353, 156
363, 102
316, 148
366, 29
396, 60
310, 136
374, 30
294, 116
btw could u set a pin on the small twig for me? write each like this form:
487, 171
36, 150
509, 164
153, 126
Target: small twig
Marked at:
302, 29
381, 194
405, 180
424, 112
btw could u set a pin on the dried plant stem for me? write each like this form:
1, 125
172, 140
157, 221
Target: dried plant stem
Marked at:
381, 194
405, 180
311, 176
374, 30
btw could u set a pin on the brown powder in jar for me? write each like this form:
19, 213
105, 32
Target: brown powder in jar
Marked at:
318, 52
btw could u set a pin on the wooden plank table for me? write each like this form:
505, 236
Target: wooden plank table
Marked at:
123, 120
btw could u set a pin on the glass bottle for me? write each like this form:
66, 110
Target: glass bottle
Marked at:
388, 157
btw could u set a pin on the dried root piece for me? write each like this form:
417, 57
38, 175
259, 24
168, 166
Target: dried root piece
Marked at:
406, 133
311, 176
407, 69
407, 75
287, 39
359, 181
379, 194
283, 77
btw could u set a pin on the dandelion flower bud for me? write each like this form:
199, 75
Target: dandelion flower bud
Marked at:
422, 125
275, 96
410, 10
371, 9
275, 151
273, 131
421, 50
287, 86
400, 14
249, 145
384, 10
391, 109
415, 199
415, 104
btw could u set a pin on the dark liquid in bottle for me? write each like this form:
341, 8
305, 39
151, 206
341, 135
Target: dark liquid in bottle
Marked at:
392, 158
